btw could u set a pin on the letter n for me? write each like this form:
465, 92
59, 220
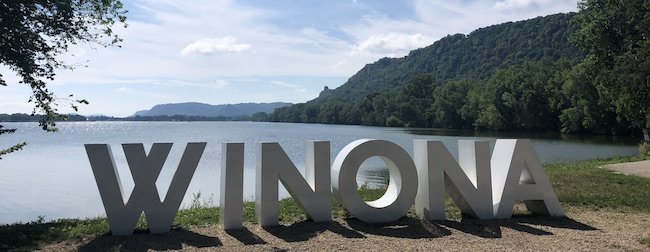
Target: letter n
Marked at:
517, 174
123, 213
467, 182
312, 195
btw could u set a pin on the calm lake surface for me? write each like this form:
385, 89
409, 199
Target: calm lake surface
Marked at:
51, 177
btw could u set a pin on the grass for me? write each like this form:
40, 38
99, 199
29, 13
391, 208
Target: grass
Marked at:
584, 184
644, 150
578, 185
645, 241
29, 235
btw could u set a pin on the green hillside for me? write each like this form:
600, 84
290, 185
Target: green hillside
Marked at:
474, 56
521, 76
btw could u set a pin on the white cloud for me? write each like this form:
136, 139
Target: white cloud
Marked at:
248, 79
340, 63
215, 45
284, 84
163, 82
221, 83
516, 4
393, 43
124, 90
10, 104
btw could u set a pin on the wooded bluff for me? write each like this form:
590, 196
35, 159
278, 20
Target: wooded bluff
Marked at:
527, 75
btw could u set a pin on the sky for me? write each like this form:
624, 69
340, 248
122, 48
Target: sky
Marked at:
227, 52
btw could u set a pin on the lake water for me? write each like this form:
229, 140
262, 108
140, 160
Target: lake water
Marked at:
51, 177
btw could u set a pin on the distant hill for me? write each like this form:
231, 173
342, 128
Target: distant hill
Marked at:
202, 109
474, 56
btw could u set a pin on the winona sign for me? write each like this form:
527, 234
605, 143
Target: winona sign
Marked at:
483, 187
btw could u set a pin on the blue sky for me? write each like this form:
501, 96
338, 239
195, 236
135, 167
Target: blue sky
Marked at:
225, 52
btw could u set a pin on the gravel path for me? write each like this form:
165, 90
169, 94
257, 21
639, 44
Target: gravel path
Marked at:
640, 168
582, 230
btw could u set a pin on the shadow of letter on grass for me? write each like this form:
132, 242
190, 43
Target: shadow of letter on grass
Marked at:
523, 223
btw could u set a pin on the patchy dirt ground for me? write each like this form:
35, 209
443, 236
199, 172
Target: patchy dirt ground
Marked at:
640, 168
584, 230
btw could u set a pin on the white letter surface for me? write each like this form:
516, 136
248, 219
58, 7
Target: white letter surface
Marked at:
402, 185
122, 213
231, 209
517, 174
312, 195
468, 183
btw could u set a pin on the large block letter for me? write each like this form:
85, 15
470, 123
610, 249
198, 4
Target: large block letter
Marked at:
313, 195
517, 174
123, 213
467, 182
402, 185
231, 211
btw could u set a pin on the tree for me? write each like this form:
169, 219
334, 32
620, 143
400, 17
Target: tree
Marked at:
418, 92
260, 117
330, 112
448, 103
13, 148
586, 110
33, 33
617, 35
523, 97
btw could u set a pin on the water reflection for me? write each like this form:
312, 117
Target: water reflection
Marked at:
373, 177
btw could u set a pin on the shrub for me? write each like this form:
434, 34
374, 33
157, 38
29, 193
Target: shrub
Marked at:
644, 150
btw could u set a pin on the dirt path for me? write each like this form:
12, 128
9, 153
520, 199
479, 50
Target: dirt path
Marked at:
640, 168
584, 230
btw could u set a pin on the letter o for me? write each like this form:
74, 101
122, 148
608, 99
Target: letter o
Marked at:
402, 186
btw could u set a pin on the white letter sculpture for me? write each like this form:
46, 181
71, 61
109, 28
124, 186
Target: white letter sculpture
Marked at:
468, 183
122, 213
402, 185
517, 174
231, 211
312, 195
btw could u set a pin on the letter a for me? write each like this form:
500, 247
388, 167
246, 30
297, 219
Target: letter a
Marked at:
517, 174
123, 214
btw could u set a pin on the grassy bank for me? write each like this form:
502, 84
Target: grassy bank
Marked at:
578, 186
583, 184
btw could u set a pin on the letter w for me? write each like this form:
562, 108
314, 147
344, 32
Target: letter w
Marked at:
123, 213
